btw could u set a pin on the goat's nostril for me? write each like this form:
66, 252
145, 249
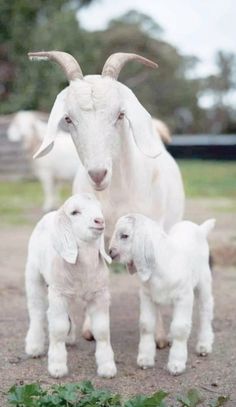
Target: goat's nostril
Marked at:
97, 175
99, 221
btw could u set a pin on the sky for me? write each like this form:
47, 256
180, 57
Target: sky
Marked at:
196, 27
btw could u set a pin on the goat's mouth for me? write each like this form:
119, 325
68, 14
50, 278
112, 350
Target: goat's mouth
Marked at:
99, 229
115, 256
131, 267
100, 187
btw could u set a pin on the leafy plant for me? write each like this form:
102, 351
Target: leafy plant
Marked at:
85, 395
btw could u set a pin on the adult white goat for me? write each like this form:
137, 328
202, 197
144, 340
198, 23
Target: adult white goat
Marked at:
65, 253
170, 266
122, 157
61, 165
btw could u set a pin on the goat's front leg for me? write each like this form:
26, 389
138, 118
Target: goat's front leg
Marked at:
180, 330
37, 306
59, 327
98, 311
147, 325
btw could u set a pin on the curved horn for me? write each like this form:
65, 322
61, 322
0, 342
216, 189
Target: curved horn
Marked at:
68, 63
115, 63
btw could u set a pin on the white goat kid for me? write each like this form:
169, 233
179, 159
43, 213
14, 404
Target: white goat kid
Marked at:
66, 253
122, 158
170, 268
61, 165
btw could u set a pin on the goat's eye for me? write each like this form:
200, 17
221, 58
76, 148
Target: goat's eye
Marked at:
68, 119
124, 236
75, 212
121, 116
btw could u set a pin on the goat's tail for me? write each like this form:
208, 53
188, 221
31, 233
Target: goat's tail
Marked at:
207, 226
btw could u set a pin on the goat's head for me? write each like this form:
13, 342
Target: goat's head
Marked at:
25, 127
131, 244
80, 219
98, 110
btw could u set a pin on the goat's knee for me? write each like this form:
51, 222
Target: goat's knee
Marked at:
180, 330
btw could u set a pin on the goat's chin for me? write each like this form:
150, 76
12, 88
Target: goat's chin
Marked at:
101, 187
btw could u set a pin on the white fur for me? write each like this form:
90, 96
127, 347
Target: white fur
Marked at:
67, 254
170, 266
60, 165
141, 176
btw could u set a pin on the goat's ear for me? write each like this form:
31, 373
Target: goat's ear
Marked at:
143, 251
141, 125
63, 238
57, 112
102, 250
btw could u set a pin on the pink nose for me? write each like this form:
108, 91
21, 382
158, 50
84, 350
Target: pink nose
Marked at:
98, 175
99, 221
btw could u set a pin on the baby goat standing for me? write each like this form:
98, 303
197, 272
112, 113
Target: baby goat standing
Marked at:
66, 248
170, 268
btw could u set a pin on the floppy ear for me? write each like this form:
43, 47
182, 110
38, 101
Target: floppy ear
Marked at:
56, 115
141, 125
143, 251
63, 238
102, 250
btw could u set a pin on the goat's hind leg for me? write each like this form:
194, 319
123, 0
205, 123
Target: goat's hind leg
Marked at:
160, 337
206, 305
37, 304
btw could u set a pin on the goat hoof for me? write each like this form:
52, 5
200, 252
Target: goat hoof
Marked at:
58, 370
145, 361
162, 343
176, 367
34, 349
107, 370
203, 349
88, 335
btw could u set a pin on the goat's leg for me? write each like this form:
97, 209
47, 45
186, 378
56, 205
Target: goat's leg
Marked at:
161, 338
180, 330
59, 327
86, 329
147, 324
48, 185
37, 305
98, 311
206, 305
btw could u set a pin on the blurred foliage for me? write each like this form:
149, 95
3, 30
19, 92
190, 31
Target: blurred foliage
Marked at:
168, 93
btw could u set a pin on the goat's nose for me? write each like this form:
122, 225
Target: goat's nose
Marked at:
99, 221
113, 253
97, 175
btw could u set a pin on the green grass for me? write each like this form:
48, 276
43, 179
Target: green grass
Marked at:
209, 179
19, 200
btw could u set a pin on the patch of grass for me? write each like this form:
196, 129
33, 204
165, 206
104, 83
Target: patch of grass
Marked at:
18, 200
85, 395
209, 179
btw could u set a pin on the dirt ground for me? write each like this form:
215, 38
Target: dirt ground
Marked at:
213, 376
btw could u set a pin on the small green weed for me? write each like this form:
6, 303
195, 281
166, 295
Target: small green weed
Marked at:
85, 395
